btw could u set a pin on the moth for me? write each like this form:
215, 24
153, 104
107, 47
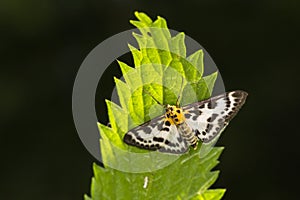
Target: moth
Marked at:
182, 127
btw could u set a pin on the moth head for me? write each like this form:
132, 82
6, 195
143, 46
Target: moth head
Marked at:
170, 108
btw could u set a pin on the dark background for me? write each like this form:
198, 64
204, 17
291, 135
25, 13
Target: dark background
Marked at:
255, 44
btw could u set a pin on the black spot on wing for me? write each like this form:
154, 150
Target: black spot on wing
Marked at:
201, 106
221, 120
158, 139
197, 132
165, 129
127, 139
172, 144
167, 123
208, 128
195, 117
237, 100
212, 118
153, 125
211, 104
196, 112
238, 94
187, 115
228, 104
160, 125
179, 139
147, 130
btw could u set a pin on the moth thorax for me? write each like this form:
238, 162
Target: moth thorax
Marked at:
175, 114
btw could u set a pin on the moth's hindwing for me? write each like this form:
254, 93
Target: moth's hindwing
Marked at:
155, 135
210, 117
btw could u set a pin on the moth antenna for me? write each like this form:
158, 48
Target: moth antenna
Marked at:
180, 93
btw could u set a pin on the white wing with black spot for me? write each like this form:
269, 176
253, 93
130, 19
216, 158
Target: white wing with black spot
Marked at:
210, 117
155, 135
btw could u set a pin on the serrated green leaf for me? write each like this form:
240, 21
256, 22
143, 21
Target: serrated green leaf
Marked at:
117, 117
143, 17
162, 73
178, 45
182, 182
216, 194
123, 93
86, 197
196, 59
136, 54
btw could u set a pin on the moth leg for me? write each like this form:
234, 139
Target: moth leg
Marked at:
195, 145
